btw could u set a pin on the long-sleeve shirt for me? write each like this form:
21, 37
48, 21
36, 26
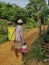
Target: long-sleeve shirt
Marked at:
19, 34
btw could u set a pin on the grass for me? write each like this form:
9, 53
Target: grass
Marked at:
35, 52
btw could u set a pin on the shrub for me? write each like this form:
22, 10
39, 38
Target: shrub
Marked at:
3, 26
35, 52
46, 36
3, 38
31, 23
3, 30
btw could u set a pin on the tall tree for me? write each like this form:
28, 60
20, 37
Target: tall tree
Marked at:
34, 7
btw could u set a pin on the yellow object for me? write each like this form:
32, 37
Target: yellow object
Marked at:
11, 33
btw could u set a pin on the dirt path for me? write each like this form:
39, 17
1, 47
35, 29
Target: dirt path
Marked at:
7, 55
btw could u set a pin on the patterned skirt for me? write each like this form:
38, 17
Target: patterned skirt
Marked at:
18, 45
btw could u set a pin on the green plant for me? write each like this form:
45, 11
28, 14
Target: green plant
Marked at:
46, 36
3, 26
38, 53
3, 30
3, 38
31, 23
35, 52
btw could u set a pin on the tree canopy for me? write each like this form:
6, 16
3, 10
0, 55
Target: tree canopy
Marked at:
12, 12
37, 8
33, 10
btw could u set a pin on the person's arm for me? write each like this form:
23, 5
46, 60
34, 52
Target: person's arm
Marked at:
21, 35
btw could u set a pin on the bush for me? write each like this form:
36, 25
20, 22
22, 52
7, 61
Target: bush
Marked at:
38, 53
3, 30
3, 26
3, 38
46, 36
35, 52
31, 23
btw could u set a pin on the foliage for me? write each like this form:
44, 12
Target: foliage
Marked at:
3, 26
3, 30
35, 52
3, 38
31, 23
47, 20
46, 36
37, 9
33, 9
44, 14
12, 12
21, 14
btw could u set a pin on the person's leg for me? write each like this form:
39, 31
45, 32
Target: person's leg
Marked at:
18, 49
19, 55
16, 52
23, 54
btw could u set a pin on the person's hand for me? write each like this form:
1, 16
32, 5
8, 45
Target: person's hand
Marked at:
24, 43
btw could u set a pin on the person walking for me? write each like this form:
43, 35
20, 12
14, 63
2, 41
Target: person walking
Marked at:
19, 41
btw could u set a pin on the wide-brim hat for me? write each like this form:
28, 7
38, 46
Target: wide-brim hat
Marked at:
19, 21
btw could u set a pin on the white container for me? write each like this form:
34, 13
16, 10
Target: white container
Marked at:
24, 48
